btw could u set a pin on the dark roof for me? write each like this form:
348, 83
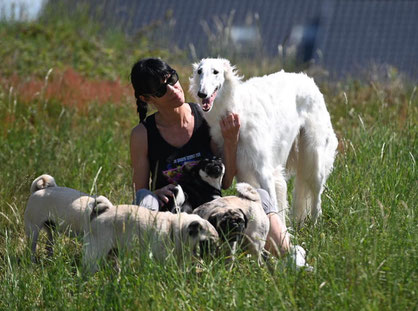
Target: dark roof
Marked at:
349, 34
361, 33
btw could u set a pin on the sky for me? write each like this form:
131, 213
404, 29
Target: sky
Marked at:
20, 9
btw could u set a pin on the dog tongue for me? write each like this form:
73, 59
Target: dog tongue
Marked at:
208, 102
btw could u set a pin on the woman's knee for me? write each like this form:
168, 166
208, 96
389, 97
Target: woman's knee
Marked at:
267, 202
146, 198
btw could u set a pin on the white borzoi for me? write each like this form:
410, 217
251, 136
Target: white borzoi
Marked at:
285, 128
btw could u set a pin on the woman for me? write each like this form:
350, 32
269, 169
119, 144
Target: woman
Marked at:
176, 133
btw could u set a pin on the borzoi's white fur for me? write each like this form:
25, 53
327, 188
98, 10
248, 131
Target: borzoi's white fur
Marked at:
285, 128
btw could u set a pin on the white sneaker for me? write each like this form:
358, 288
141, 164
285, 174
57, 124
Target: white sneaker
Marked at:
298, 258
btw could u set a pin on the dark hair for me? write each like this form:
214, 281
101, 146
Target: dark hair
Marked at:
146, 77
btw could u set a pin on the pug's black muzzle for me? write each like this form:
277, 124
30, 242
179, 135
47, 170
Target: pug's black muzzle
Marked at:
231, 228
213, 167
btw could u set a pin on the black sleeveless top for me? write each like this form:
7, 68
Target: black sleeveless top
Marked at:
166, 160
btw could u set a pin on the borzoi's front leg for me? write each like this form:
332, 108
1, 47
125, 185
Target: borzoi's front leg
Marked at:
276, 186
281, 196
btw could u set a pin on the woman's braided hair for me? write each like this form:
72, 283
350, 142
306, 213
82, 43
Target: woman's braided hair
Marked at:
146, 77
142, 108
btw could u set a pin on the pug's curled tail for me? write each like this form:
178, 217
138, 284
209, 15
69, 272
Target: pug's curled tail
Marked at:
247, 191
42, 182
102, 204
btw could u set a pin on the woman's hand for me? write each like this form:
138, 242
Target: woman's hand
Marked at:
164, 193
230, 125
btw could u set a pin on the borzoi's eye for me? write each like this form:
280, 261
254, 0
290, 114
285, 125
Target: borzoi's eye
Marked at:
215, 71
199, 71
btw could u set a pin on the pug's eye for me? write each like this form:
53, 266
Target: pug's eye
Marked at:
199, 71
215, 71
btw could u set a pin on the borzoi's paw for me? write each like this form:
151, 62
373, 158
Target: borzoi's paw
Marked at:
316, 215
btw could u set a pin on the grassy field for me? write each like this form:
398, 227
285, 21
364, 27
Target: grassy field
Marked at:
74, 121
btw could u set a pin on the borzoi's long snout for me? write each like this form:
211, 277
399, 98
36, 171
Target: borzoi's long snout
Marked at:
207, 86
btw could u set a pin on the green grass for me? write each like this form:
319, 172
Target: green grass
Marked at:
363, 249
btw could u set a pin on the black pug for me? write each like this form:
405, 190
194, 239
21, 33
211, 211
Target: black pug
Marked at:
198, 184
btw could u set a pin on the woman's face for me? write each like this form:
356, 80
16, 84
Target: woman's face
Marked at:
173, 97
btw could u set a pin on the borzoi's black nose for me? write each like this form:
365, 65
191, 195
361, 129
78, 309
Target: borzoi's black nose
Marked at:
201, 95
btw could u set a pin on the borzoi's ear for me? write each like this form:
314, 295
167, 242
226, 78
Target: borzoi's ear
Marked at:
227, 66
195, 66
229, 71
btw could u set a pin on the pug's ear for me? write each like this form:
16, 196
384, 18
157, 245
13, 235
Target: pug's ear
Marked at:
213, 219
187, 166
194, 228
245, 217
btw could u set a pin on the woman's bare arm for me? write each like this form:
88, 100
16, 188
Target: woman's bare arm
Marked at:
140, 164
230, 131
139, 157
